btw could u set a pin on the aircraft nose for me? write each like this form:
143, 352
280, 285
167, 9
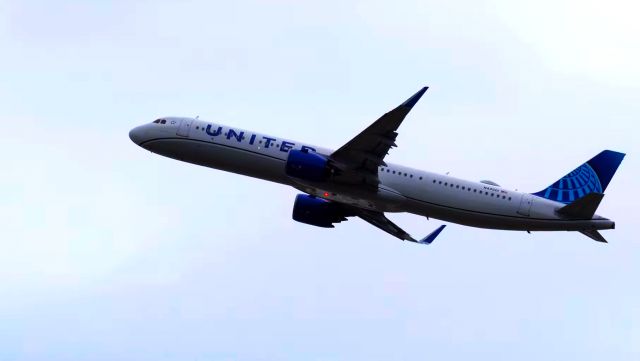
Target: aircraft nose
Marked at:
137, 135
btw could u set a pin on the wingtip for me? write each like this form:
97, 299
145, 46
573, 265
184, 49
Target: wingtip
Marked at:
432, 236
411, 102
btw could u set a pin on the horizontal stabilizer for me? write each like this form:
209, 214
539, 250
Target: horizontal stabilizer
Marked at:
594, 235
583, 208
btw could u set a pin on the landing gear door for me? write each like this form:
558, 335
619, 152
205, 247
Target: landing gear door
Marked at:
525, 204
185, 127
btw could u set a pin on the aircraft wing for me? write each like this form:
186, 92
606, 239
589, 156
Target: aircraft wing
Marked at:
379, 220
360, 158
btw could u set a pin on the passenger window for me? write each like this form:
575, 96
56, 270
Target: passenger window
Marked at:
445, 184
457, 186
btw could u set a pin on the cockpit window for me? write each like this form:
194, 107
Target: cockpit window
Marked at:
163, 121
160, 121
157, 121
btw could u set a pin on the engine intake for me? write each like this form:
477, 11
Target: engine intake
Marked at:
307, 165
318, 212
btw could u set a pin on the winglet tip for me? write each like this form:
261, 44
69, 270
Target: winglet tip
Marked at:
432, 236
411, 102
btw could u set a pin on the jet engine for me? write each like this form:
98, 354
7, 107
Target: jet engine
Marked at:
318, 212
307, 166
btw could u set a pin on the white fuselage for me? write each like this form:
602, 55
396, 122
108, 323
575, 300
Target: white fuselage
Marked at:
402, 189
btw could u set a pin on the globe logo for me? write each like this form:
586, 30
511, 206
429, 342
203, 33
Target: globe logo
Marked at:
582, 181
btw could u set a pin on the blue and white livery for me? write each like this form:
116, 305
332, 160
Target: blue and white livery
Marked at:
355, 181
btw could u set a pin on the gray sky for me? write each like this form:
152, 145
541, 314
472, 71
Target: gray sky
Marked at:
111, 252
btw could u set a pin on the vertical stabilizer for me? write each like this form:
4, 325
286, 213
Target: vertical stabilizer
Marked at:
591, 177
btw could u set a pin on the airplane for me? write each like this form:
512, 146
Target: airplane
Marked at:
355, 180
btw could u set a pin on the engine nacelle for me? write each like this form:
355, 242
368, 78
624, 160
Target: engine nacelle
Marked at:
307, 165
318, 212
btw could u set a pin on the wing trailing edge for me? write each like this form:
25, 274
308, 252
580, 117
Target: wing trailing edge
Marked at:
379, 220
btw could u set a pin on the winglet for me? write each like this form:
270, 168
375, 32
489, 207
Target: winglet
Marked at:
409, 103
432, 236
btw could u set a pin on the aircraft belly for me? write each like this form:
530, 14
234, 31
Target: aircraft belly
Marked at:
385, 200
221, 157
504, 222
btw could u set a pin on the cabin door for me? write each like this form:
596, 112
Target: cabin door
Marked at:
185, 127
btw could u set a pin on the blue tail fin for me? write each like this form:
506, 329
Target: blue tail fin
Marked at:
591, 177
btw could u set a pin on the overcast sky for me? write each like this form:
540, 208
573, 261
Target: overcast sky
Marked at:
109, 252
